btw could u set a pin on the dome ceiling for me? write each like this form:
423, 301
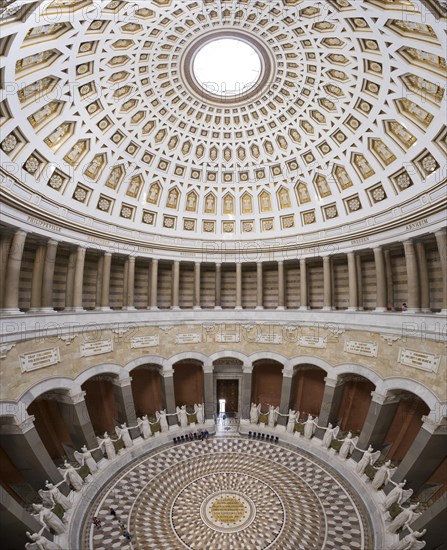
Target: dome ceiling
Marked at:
101, 114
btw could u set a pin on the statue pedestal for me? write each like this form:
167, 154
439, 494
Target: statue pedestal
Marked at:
262, 424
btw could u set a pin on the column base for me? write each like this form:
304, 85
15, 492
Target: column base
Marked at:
413, 310
380, 310
218, 308
303, 308
129, 308
352, 309
175, 308
153, 308
41, 310
105, 308
11, 311
238, 308
75, 309
442, 312
328, 308
197, 308
280, 308
426, 310
259, 307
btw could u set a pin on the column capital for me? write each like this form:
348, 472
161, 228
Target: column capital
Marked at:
287, 372
167, 373
432, 426
382, 399
441, 232
247, 369
18, 428
131, 258
122, 382
52, 242
75, 396
332, 382
108, 254
208, 369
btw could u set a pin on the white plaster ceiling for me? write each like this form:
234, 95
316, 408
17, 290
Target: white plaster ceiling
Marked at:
98, 116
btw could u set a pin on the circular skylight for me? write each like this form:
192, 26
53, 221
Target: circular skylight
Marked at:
227, 67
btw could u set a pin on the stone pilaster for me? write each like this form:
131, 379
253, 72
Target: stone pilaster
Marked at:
304, 302
69, 285
5, 245
122, 389
352, 276
327, 284
281, 287
74, 411
36, 280
238, 285
381, 282
381, 412
48, 277
389, 280
246, 390
197, 288
359, 271
154, 285
287, 377
105, 287
208, 390
175, 285
259, 286
16, 521
168, 388
330, 405
78, 284
413, 302
218, 288
130, 298
423, 278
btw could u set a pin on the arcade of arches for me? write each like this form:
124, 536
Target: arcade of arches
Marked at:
167, 241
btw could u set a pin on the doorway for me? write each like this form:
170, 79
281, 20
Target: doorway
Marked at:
227, 396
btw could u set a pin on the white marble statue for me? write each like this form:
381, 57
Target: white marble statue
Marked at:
330, 434
162, 420
310, 426
106, 445
85, 457
408, 515
398, 494
123, 433
53, 496
254, 413
40, 542
71, 476
383, 475
293, 415
48, 519
182, 416
144, 426
200, 413
273, 415
368, 459
348, 445
410, 542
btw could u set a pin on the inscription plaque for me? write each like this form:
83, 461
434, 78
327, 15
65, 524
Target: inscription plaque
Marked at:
96, 348
144, 342
312, 342
39, 359
368, 349
188, 338
419, 360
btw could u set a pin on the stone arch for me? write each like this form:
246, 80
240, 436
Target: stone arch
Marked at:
145, 360
104, 368
412, 386
313, 361
50, 384
195, 355
229, 354
359, 370
270, 355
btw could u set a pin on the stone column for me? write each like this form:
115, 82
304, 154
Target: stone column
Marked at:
441, 240
433, 519
218, 288
105, 289
130, 299
389, 280
304, 303
154, 285
238, 286
125, 282
196, 302
287, 377
16, 522
5, 245
380, 416
36, 280
352, 277
99, 280
423, 278
330, 405
73, 409
24, 447
48, 276
246, 390
69, 285
281, 287
78, 279
381, 301
168, 387
413, 302
359, 270
327, 291
208, 389
425, 454
122, 390
12, 277
175, 285
259, 287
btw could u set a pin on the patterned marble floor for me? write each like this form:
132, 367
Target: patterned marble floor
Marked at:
228, 494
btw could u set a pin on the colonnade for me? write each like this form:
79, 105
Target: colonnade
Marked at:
12, 246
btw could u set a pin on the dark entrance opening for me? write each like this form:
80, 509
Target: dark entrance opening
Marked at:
227, 397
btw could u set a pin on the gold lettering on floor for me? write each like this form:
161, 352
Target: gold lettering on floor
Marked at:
227, 510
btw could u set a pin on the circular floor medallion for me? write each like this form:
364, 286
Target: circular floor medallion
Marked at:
228, 511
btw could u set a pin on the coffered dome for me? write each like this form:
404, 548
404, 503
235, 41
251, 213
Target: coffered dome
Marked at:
105, 124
